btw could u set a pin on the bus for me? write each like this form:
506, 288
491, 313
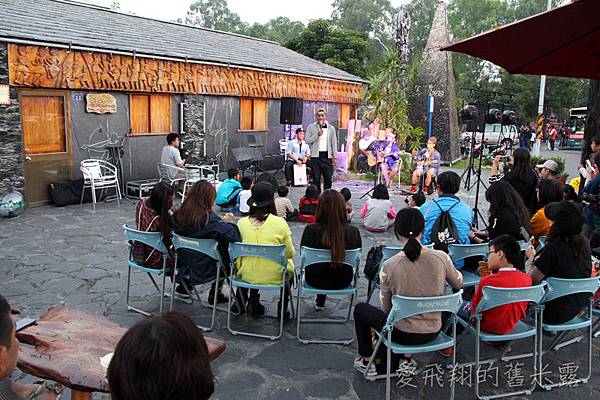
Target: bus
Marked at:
577, 118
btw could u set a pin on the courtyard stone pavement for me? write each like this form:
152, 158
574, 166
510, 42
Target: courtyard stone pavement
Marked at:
78, 256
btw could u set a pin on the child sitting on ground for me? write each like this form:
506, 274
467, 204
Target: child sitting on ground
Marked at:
415, 200
228, 192
245, 195
308, 205
283, 205
347, 196
378, 212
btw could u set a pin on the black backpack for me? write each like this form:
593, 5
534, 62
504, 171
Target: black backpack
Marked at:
372, 263
444, 231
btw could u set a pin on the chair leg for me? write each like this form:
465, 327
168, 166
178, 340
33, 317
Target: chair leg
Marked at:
162, 293
82, 193
93, 196
388, 377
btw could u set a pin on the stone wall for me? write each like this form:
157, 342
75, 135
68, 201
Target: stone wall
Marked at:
11, 136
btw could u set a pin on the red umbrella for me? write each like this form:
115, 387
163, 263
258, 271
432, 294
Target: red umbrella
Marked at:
564, 41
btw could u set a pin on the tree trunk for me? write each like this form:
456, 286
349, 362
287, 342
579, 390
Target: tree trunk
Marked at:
592, 123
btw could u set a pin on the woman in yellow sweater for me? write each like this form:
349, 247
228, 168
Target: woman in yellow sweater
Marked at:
263, 226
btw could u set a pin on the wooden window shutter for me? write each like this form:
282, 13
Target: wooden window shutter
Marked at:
260, 114
139, 112
43, 124
246, 114
344, 116
160, 114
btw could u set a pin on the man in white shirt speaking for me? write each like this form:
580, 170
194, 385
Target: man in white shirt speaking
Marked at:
322, 139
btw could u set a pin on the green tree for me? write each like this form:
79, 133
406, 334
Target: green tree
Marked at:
280, 30
421, 16
373, 17
342, 48
214, 14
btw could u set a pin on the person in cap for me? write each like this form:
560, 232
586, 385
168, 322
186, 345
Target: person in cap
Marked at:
263, 226
548, 170
566, 255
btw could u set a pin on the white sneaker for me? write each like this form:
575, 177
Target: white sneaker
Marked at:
361, 367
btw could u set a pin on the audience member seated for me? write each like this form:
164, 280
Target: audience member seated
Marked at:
164, 357
448, 184
308, 204
195, 219
566, 255
330, 231
504, 255
428, 163
548, 170
9, 349
263, 226
521, 176
378, 212
283, 205
298, 153
171, 155
507, 215
415, 200
592, 212
548, 191
415, 272
153, 214
228, 193
245, 194
347, 198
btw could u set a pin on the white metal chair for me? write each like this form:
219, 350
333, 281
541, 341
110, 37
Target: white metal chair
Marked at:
310, 256
154, 240
196, 173
99, 174
170, 173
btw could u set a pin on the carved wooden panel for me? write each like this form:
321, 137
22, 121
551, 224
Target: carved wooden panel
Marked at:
35, 66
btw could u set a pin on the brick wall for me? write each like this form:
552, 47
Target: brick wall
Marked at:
11, 140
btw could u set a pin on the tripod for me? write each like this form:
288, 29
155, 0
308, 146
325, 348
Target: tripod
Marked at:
376, 179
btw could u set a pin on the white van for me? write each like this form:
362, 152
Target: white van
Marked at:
495, 134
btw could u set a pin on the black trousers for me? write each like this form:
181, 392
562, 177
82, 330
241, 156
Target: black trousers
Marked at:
552, 142
361, 163
322, 166
367, 316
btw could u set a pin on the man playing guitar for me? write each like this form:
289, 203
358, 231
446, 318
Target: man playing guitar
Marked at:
428, 162
390, 157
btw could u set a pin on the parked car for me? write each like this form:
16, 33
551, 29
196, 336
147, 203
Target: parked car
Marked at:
495, 134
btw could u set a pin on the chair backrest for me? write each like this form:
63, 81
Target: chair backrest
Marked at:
458, 252
192, 172
405, 307
494, 296
283, 144
152, 239
90, 169
559, 287
167, 172
273, 252
524, 245
310, 256
207, 247
542, 241
390, 251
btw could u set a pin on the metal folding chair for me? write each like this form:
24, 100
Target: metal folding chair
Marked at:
208, 247
404, 307
388, 252
460, 252
273, 252
310, 256
495, 297
557, 288
196, 173
154, 240
170, 174
99, 174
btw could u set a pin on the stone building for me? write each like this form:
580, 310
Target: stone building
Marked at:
83, 78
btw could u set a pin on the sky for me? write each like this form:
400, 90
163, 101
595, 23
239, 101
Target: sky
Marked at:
250, 11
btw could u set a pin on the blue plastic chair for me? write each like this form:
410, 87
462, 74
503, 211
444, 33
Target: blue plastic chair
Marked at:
494, 297
273, 252
154, 240
558, 287
387, 253
310, 256
459, 252
404, 307
596, 313
208, 247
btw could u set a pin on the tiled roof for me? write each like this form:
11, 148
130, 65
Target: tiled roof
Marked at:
65, 23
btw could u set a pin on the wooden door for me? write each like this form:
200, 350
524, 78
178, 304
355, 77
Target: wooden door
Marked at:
46, 144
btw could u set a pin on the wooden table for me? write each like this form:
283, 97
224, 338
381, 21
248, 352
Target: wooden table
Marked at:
66, 345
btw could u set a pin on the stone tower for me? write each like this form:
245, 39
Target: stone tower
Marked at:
435, 78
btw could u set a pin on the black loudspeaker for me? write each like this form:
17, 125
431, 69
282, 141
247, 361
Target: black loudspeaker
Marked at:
291, 111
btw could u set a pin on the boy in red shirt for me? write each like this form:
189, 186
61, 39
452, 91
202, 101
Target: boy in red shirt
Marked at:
503, 255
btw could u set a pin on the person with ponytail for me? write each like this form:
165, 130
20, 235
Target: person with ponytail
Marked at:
330, 231
415, 272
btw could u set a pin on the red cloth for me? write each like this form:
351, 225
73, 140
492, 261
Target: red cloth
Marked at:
502, 320
553, 134
307, 210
